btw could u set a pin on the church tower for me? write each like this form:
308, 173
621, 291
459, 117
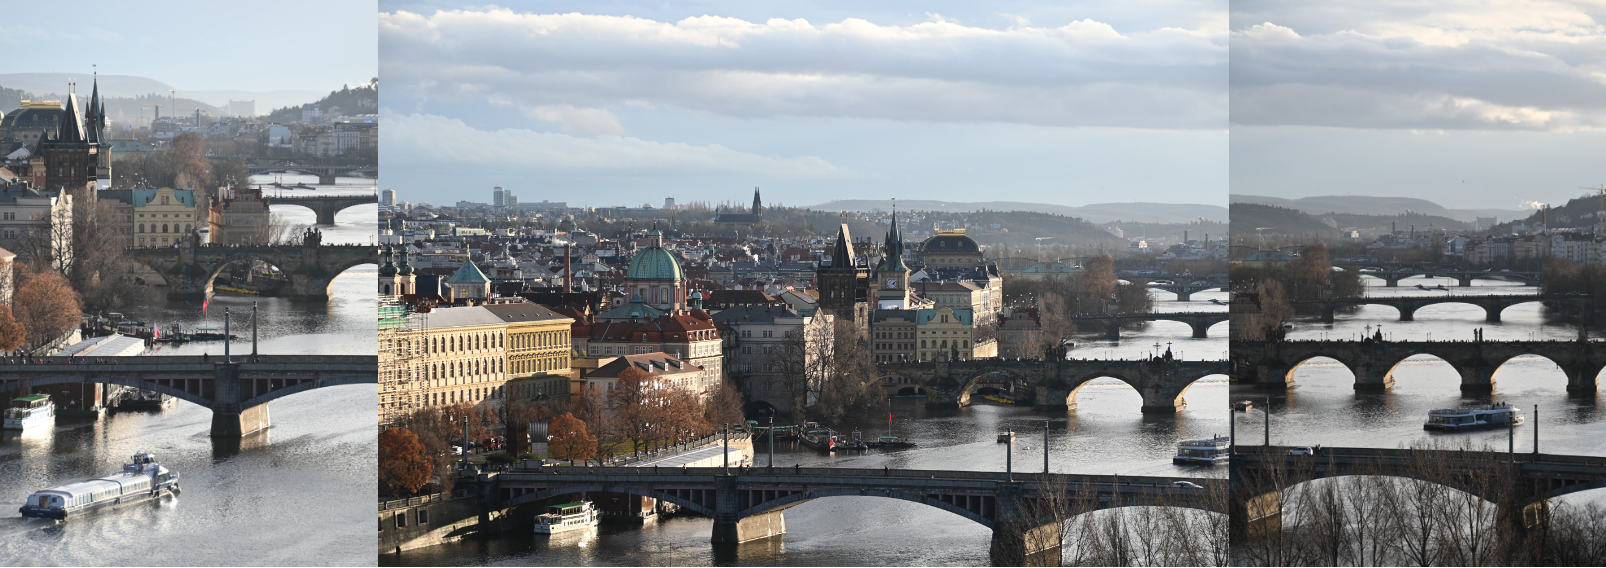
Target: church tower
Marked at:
70, 158
95, 134
758, 207
844, 284
892, 277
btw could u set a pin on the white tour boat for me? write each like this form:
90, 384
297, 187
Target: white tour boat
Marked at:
140, 480
1209, 451
29, 411
566, 517
1479, 417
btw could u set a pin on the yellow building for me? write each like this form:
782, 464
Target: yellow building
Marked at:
943, 332
163, 216
464, 351
537, 352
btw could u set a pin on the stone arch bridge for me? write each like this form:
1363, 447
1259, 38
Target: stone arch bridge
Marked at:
1492, 304
1111, 324
749, 506
1522, 496
324, 206
189, 268
1186, 290
1393, 274
326, 174
237, 392
1055, 383
1271, 364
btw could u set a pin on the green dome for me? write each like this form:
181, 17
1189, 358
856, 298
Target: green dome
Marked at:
655, 263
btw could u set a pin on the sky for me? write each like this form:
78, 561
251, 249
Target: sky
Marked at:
614, 103
1468, 103
197, 44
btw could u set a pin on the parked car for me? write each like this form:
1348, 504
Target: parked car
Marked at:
457, 450
1186, 485
1302, 451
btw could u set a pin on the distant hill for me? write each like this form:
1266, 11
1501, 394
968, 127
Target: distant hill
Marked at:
1274, 220
1096, 213
1374, 205
54, 86
363, 99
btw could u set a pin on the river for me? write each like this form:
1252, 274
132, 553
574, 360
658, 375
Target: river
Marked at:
1323, 407
1106, 434
298, 494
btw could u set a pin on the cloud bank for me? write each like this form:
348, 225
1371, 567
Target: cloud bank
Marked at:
424, 138
1437, 64
570, 69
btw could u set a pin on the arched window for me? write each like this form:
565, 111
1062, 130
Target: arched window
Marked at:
187, 227
164, 227
967, 344
141, 227
922, 344
944, 343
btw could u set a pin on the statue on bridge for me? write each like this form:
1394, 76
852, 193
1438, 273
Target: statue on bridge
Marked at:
312, 237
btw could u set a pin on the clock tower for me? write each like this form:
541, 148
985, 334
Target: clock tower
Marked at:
892, 277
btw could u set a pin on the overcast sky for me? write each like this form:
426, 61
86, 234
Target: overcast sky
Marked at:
610, 103
196, 44
1469, 103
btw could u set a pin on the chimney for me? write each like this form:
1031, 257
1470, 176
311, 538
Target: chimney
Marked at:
568, 270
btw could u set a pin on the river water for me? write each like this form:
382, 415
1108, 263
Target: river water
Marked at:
1106, 434
1324, 408
298, 494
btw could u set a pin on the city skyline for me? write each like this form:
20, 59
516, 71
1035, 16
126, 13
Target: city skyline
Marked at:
820, 106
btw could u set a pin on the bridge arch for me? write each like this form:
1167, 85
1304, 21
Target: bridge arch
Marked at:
607, 488
1081, 381
111, 380
1011, 373
301, 387
789, 501
1314, 358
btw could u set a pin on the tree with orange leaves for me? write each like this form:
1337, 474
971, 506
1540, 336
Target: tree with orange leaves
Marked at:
404, 465
569, 439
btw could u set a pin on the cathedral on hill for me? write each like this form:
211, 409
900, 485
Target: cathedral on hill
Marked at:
753, 217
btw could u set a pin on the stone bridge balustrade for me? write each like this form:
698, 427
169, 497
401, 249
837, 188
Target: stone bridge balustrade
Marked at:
237, 392
1271, 364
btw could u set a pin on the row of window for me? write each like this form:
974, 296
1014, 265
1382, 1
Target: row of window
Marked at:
540, 339
463, 342
455, 369
187, 227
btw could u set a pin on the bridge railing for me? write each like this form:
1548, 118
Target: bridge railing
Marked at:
422, 500
782, 472
1396, 454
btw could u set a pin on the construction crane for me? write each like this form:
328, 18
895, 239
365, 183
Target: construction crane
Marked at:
1600, 217
1040, 247
1262, 236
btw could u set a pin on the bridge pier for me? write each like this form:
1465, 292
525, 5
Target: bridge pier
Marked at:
1476, 379
326, 179
1327, 313
1491, 313
1408, 312
326, 215
1112, 331
1464, 282
1201, 329
1018, 539
1184, 295
1251, 517
310, 286
1391, 282
730, 530
229, 420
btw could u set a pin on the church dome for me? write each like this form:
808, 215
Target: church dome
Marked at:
655, 263
950, 243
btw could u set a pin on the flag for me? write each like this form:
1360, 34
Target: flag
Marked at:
208, 300
156, 332
889, 414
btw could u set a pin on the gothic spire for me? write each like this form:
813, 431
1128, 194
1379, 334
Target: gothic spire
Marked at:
842, 255
894, 256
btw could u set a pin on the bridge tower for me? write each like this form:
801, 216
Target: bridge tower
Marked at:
844, 284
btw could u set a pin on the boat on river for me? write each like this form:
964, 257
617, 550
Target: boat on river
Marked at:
142, 479
1476, 417
1209, 451
30, 411
567, 517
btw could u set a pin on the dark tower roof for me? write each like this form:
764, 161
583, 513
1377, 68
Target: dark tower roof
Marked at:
97, 115
72, 124
894, 258
758, 204
842, 255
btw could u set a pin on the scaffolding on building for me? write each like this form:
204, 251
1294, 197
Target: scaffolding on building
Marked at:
401, 385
